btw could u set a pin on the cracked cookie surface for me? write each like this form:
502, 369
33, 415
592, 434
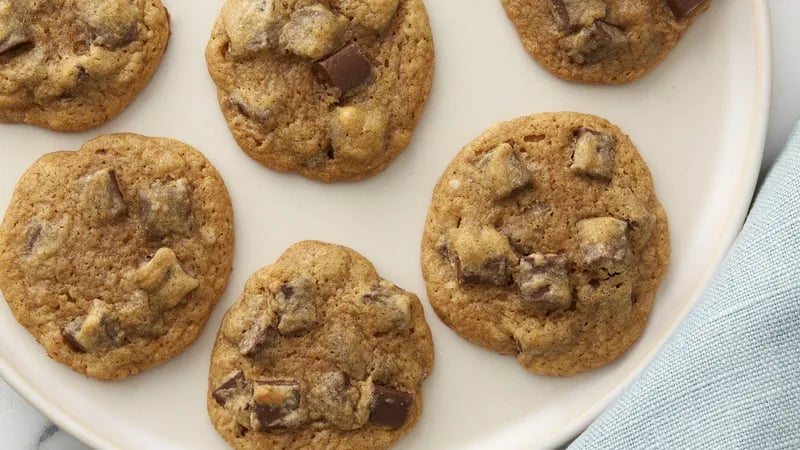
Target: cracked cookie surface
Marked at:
114, 256
545, 240
319, 352
601, 41
331, 90
71, 65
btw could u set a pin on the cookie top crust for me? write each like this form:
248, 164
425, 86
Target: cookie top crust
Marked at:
601, 41
113, 256
71, 65
331, 90
545, 240
319, 352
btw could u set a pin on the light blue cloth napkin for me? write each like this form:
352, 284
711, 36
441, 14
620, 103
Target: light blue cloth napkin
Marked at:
729, 377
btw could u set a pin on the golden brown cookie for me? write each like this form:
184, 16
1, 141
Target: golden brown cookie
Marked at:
71, 65
331, 90
545, 240
319, 352
114, 256
601, 41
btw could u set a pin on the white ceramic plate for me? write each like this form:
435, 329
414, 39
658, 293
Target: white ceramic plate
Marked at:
699, 121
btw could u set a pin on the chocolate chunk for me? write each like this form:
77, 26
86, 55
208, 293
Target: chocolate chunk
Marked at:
252, 29
389, 406
396, 305
256, 337
333, 399
165, 208
573, 14
595, 43
346, 69
94, 332
14, 41
683, 8
506, 174
261, 107
274, 403
110, 23
32, 236
543, 281
480, 255
593, 154
296, 310
102, 196
313, 32
164, 280
604, 245
560, 13
227, 390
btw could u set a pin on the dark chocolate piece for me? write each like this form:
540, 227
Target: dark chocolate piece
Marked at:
346, 69
68, 333
273, 401
297, 313
595, 43
255, 338
32, 237
543, 281
493, 271
165, 208
13, 42
683, 8
225, 391
389, 406
560, 13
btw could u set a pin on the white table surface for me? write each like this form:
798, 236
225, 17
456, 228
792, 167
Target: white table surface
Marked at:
23, 428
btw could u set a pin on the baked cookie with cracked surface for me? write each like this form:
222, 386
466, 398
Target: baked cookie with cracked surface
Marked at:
114, 256
601, 41
329, 89
545, 240
319, 351
70, 65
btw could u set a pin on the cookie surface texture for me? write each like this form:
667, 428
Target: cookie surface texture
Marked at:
70, 65
113, 256
319, 352
545, 240
601, 41
330, 90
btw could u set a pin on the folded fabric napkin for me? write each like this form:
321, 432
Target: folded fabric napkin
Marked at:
729, 377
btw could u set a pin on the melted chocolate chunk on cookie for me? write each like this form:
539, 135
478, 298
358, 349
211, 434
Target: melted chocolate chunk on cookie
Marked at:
334, 399
506, 173
97, 331
164, 280
480, 255
275, 404
543, 281
165, 208
235, 394
111, 23
262, 107
683, 8
44, 239
389, 407
374, 14
573, 14
395, 302
252, 28
296, 310
234, 384
593, 154
313, 32
260, 334
101, 193
595, 43
604, 245
346, 69
14, 41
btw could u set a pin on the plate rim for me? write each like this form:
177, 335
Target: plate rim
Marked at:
572, 428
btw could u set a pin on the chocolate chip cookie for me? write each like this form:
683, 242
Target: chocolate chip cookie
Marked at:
114, 256
545, 240
331, 90
71, 65
319, 352
601, 41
